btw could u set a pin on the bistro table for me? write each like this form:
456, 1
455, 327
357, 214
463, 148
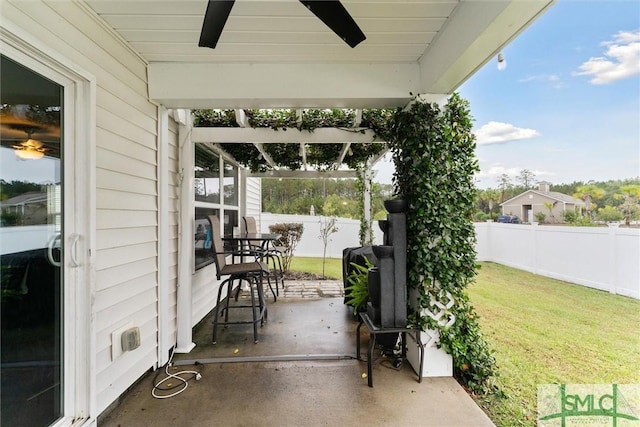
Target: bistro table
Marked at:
242, 241
241, 245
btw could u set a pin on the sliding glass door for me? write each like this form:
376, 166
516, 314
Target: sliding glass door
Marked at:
31, 247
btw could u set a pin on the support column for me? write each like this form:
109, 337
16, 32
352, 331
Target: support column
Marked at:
184, 301
366, 176
163, 236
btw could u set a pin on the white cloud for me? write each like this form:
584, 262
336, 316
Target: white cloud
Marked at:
621, 60
553, 79
488, 177
496, 171
499, 133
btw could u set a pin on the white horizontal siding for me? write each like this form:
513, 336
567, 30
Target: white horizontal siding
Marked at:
126, 175
112, 180
119, 200
123, 273
109, 239
204, 290
253, 204
124, 219
120, 162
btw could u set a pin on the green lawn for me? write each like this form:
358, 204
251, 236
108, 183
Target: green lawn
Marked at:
332, 267
543, 331
547, 331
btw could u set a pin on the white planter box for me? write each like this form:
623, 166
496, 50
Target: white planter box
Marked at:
437, 363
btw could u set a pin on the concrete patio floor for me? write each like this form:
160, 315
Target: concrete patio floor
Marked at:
303, 372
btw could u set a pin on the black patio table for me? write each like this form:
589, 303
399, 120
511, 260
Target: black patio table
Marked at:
243, 244
242, 240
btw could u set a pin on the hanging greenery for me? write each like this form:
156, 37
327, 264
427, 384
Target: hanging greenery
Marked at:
215, 118
274, 119
433, 152
320, 156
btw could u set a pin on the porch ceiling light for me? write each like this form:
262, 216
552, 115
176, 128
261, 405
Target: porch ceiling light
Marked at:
30, 149
502, 63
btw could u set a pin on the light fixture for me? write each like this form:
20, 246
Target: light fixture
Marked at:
502, 63
29, 149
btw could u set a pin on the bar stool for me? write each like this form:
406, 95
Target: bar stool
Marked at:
266, 252
251, 272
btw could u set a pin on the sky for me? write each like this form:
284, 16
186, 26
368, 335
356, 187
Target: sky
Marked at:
567, 105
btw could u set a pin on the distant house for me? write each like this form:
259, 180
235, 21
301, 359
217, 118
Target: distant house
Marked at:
526, 205
25, 209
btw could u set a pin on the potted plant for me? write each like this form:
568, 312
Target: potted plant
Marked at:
357, 293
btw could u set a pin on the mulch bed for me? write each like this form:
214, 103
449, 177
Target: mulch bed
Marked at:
301, 275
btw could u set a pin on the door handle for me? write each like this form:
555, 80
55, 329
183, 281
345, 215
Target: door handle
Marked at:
50, 247
74, 250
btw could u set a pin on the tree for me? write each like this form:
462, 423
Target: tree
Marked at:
488, 200
631, 204
549, 206
589, 193
504, 184
327, 228
526, 178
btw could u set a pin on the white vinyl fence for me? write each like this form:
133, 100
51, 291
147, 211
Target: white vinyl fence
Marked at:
311, 244
601, 258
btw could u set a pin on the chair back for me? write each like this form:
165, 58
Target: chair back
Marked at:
217, 245
250, 224
251, 227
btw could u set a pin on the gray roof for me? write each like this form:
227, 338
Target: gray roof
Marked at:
25, 199
553, 195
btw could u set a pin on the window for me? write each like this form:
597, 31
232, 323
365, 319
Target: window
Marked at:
230, 184
213, 176
207, 175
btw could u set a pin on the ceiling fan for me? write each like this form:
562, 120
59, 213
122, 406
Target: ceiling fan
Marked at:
331, 12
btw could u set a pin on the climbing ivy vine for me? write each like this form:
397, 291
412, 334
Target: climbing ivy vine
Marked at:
365, 232
322, 156
433, 152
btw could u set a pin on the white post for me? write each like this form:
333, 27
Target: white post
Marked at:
366, 177
367, 204
612, 264
185, 235
163, 235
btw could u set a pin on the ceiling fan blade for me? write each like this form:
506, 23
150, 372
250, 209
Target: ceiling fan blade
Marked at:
214, 20
336, 17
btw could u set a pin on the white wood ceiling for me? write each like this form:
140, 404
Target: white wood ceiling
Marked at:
276, 31
275, 53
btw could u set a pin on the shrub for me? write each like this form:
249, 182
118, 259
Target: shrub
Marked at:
540, 217
610, 214
570, 216
481, 216
573, 218
290, 235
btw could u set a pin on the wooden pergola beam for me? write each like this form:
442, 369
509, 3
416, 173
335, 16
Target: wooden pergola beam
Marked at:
302, 174
292, 136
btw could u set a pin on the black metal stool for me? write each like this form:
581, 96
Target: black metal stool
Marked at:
251, 272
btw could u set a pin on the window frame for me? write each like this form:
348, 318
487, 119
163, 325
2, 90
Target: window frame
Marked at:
228, 213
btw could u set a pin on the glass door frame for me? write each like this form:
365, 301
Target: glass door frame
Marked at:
79, 106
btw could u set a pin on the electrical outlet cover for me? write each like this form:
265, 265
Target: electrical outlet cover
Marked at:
116, 341
131, 339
